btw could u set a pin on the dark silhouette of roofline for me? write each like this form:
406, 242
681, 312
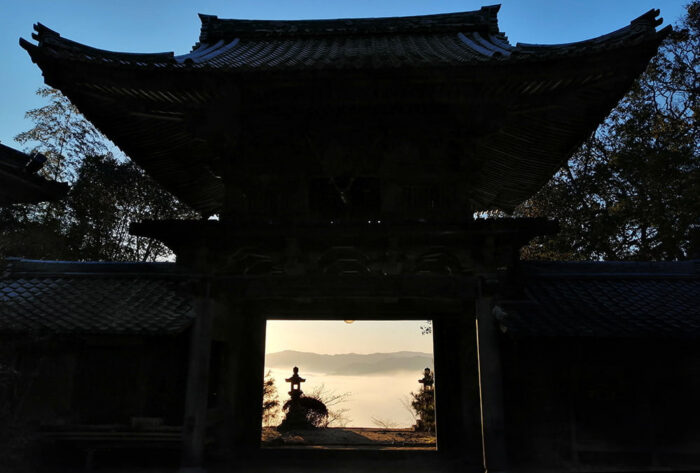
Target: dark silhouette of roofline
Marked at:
543, 100
19, 182
15, 267
484, 20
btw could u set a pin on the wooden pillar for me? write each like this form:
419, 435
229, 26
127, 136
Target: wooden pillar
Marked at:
457, 388
491, 382
195, 420
246, 382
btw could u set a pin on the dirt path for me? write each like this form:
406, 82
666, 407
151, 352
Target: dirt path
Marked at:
349, 437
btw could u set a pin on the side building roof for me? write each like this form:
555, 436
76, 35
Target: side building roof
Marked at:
535, 104
604, 299
19, 182
59, 297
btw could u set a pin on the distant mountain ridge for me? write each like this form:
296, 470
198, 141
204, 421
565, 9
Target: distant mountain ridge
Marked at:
350, 364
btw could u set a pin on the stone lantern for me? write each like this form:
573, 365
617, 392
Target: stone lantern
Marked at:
295, 381
428, 380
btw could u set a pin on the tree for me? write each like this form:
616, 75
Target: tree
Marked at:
387, 424
423, 404
631, 191
108, 193
313, 410
106, 197
304, 412
406, 404
271, 403
337, 416
63, 135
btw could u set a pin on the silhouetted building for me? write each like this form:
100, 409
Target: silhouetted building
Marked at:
100, 349
19, 183
344, 160
600, 364
107, 340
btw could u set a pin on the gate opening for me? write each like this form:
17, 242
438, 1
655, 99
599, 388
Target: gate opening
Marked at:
364, 384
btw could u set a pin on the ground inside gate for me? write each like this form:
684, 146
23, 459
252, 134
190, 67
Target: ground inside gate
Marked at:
350, 437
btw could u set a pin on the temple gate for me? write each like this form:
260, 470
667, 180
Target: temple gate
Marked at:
344, 161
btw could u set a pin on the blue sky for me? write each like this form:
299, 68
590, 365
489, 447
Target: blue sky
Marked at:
160, 25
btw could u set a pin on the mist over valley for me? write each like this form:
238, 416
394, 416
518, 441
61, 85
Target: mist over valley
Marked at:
379, 384
350, 364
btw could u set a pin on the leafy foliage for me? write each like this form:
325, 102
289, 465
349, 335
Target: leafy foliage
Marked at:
107, 194
317, 409
631, 191
105, 198
271, 403
313, 411
63, 135
337, 416
423, 404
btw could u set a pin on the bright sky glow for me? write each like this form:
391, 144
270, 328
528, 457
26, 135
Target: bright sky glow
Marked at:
166, 25
335, 336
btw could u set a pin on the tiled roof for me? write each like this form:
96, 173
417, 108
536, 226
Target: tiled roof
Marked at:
605, 299
519, 111
20, 184
419, 41
484, 20
92, 298
457, 38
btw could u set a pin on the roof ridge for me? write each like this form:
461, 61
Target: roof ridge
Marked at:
482, 20
21, 267
616, 269
604, 275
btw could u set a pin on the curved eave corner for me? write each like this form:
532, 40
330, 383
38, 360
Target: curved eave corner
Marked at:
50, 40
642, 28
478, 29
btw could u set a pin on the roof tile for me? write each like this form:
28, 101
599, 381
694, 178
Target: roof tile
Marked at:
108, 298
606, 299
